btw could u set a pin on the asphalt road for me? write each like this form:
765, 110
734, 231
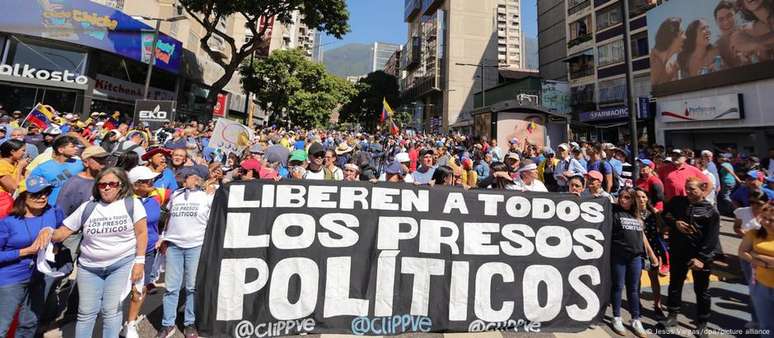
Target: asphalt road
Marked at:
729, 307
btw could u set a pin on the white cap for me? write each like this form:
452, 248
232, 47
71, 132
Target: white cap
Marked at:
563, 146
706, 153
528, 167
402, 157
141, 173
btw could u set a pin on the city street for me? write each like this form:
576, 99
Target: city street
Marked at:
729, 307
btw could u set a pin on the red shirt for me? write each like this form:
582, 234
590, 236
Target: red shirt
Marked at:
655, 190
414, 157
664, 169
674, 184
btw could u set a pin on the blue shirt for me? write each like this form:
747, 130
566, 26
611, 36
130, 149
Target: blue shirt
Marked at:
741, 196
617, 165
423, 177
19, 233
482, 170
769, 192
153, 212
166, 180
712, 168
57, 174
603, 167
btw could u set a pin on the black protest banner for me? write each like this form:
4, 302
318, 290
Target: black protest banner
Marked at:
284, 258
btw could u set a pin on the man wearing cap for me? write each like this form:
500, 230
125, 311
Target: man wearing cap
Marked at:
250, 170
343, 154
156, 160
315, 169
752, 181
529, 178
674, 184
424, 173
402, 161
566, 168
594, 185
708, 158
351, 172
651, 184
728, 182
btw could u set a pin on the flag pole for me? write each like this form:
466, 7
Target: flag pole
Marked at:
28, 115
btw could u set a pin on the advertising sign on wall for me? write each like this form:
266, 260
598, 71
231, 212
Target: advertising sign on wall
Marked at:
303, 257
154, 113
607, 114
90, 24
220, 106
108, 86
525, 127
693, 38
555, 96
712, 108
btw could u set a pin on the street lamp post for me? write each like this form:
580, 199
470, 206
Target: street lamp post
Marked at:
629, 93
153, 47
483, 77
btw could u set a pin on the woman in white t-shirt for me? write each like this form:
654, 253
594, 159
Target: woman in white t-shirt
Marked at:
112, 250
746, 219
189, 210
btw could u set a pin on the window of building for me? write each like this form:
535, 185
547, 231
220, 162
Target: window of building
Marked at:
582, 97
612, 91
609, 16
611, 53
580, 28
582, 65
46, 57
640, 44
575, 6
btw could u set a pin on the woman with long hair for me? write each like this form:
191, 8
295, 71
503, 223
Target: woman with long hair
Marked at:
13, 163
653, 225
115, 236
760, 15
21, 285
443, 175
757, 249
747, 219
128, 160
628, 245
669, 42
698, 54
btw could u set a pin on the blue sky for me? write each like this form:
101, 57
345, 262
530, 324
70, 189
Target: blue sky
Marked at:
382, 20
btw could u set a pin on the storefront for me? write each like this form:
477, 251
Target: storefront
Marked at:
80, 57
737, 116
609, 125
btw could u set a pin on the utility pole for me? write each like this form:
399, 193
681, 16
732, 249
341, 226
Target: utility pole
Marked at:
247, 99
482, 67
631, 105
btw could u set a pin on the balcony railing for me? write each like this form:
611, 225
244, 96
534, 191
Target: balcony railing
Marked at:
579, 40
578, 7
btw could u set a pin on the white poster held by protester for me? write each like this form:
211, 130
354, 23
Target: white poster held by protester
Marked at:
230, 136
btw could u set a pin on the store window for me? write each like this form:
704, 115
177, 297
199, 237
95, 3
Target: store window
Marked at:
612, 91
23, 98
611, 53
609, 16
44, 57
640, 44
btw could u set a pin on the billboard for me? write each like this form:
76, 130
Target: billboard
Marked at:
716, 42
525, 127
154, 113
711, 108
555, 96
89, 24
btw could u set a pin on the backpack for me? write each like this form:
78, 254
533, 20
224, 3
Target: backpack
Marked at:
91, 204
616, 177
116, 154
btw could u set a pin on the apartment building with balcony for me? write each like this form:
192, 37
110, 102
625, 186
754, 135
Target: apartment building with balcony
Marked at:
596, 65
510, 40
441, 35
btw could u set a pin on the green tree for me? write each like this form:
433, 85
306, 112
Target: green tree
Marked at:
327, 16
294, 90
366, 107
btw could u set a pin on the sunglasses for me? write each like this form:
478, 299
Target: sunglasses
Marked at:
41, 194
148, 182
104, 185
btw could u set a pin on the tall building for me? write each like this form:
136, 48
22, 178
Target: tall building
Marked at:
510, 40
318, 52
293, 35
381, 53
552, 44
392, 66
445, 37
596, 67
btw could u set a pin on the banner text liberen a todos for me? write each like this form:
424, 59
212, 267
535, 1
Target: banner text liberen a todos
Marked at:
290, 257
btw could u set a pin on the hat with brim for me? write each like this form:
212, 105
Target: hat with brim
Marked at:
141, 173
343, 148
92, 152
298, 156
528, 167
155, 151
36, 184
595, 175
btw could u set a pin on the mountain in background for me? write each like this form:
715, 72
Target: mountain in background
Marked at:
532, 53
348, 60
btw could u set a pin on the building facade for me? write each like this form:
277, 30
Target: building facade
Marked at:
447, 40
552, 44
381, 53
392, 66
597, 69
510, 40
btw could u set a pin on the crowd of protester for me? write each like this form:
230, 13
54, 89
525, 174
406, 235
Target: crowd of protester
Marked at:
116, 199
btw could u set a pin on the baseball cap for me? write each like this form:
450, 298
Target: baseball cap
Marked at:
257, 149
315, 149
563, 146
595, 175
93, 151
425, 152
251, 164
755, 174
402, 157
513, 155
141, 173
393, 168
197, 170
514, 141
53, 130
528, 167
706, 153
648, 163
298, 155
36, 184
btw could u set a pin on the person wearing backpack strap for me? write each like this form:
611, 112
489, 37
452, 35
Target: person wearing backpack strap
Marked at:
597, 163
112, 251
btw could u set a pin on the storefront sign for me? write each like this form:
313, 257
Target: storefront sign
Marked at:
154, 113
297, 257
86, 23
643, 108
605, 114
111, 87
25, 71
711, 108
220, 106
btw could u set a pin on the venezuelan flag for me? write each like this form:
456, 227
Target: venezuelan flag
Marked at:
41, 116
386, 110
